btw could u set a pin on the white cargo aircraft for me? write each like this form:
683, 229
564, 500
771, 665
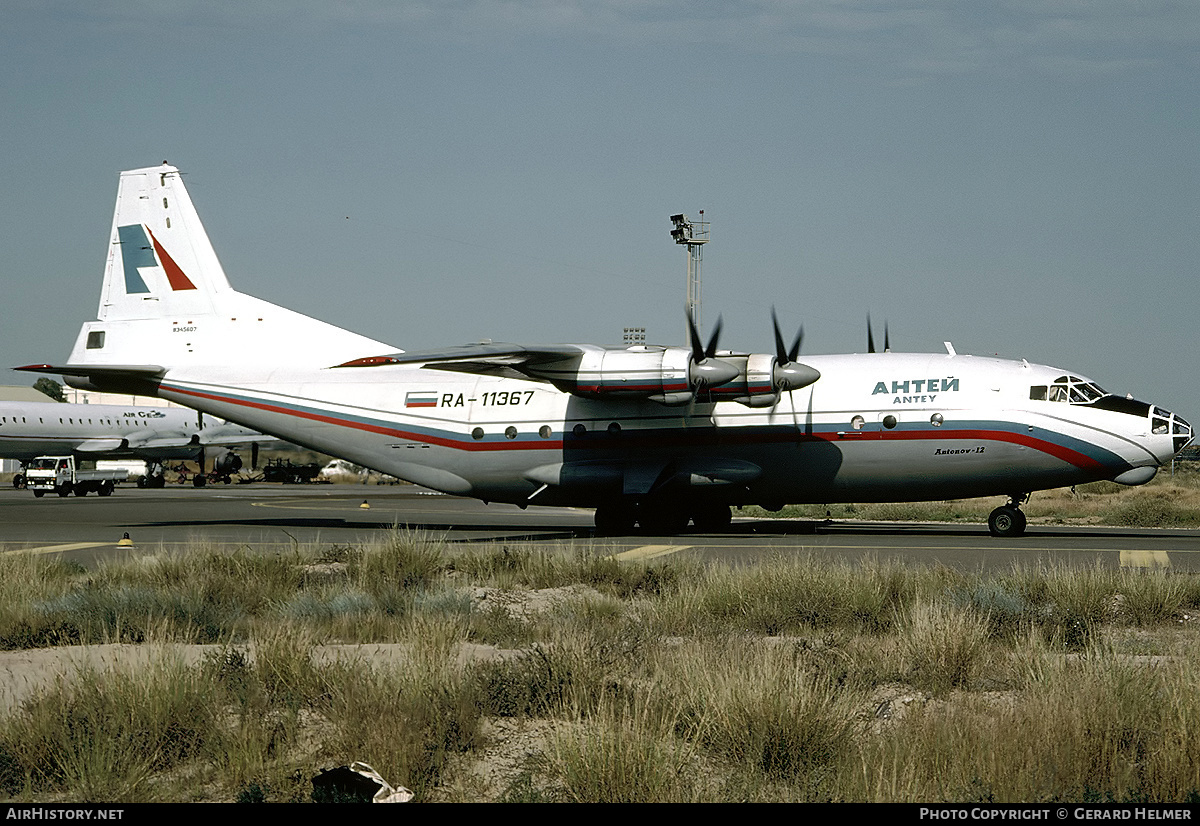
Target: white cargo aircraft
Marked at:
654, 436
105, 431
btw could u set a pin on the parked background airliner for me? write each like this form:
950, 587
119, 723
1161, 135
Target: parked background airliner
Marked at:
656, 436
104, 431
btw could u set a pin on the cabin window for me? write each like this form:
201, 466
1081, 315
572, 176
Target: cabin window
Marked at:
510, 432
857, 422
579, 430
477, 433
544, 431
95, 340
889, 421
614, 428
936, 420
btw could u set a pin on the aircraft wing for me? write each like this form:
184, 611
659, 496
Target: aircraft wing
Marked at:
163, 443
231, 435
506, 360
100, 445
509, 355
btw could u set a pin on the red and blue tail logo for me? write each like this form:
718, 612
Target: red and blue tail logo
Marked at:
139, 248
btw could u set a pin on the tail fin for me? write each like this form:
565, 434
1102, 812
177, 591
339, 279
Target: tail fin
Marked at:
159, 256
166, 299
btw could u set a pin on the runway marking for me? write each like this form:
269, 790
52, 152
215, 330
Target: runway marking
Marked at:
57, 549
649, 552
1145, 559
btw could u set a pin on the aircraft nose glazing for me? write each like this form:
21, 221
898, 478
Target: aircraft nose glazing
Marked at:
1164, 422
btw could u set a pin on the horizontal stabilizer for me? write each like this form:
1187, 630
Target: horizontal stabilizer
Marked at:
138, 379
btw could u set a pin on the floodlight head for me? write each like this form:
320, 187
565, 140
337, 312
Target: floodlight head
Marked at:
679, 219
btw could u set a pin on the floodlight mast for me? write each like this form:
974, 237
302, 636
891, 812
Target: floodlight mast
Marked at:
693, 234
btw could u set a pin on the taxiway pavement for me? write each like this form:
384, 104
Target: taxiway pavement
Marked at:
87, 529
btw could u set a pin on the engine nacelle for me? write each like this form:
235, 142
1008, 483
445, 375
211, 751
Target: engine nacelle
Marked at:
761, 379
666, 375
658, 373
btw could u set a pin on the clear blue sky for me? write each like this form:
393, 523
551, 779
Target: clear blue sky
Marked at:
1017, 177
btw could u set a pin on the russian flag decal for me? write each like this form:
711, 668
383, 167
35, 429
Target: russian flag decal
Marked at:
421, 398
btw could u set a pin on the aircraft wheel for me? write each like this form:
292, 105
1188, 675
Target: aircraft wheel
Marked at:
664, 520
65, 490
106, 489
141, 481
38, 494
615, 518
1006, 521
712, 518
199, 481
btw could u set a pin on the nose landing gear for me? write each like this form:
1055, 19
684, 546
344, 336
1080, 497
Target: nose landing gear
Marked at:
1009, 520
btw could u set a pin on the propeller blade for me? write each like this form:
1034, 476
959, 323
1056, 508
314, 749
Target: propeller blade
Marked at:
711, 349
870, 338
887, 347
694, 341
789, 355
780, 353
254, 455
794, 352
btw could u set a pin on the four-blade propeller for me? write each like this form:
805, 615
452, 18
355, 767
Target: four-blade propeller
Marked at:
706, 370
788, 373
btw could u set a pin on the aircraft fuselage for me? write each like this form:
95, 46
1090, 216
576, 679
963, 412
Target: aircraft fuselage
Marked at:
879, 427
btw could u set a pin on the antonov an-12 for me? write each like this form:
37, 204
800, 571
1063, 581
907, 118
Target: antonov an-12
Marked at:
650, 436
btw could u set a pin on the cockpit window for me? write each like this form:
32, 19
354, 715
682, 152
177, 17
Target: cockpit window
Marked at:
1070, 389
1160, 422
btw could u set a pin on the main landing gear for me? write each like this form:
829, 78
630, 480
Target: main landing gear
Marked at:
1008, 520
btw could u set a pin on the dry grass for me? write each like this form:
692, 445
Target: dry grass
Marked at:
797, 680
